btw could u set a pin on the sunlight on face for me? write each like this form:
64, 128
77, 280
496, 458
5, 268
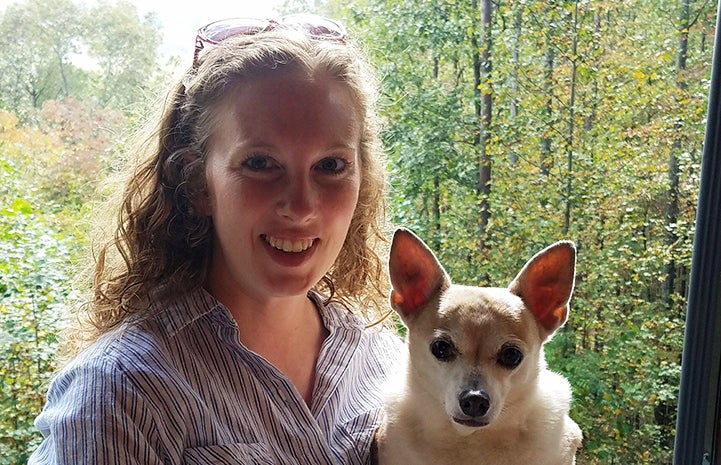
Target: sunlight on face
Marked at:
283, 181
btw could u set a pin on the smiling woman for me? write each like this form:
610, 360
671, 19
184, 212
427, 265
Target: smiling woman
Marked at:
231, 304
280, 216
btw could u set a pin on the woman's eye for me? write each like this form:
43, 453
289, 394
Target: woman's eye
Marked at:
258, 163
333, 165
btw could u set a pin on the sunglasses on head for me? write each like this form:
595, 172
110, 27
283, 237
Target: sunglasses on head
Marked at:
316, 27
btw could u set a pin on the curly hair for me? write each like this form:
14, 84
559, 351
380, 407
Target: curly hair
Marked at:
162, 247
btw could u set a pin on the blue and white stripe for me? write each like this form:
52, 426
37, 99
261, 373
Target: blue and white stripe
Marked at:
182, 389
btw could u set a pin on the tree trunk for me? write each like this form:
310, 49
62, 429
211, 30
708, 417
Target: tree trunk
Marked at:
571, 125
589, 121
545, 161
63, 75
672, 208
436, 236
482, 68
517, 28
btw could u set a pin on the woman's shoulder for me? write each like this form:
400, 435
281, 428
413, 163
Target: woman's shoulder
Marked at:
126, 349
150, 344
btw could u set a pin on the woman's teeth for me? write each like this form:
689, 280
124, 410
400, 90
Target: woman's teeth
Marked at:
287, 245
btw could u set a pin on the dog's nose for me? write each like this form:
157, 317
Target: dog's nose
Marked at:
474, 403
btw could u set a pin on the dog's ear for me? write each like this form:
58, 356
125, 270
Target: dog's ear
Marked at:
546, 283
416, 274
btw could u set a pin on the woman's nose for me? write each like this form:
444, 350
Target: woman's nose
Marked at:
298, 200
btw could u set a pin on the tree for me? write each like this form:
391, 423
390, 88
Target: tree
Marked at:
37, 39
569, 143
483, 90
42, 42
42, 235
548, 88
591, 101
514, 88
586, 115
124, 47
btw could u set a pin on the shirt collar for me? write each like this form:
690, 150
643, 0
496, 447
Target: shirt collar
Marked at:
178, 313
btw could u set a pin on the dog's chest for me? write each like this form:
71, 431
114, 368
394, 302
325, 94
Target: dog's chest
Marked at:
426, 443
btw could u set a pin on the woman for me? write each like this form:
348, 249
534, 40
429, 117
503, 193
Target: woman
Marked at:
220, 329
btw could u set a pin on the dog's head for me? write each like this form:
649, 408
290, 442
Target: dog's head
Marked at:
478, 350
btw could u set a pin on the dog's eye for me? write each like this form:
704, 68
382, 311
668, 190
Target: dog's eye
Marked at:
443, 350
510, 357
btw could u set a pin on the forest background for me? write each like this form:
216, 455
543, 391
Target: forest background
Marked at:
509, 124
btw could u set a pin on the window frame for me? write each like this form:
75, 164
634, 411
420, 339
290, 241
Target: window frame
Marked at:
698, 435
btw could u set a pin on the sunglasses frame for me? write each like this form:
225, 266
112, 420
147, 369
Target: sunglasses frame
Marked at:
315, 26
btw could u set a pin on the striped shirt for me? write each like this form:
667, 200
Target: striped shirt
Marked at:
181, 389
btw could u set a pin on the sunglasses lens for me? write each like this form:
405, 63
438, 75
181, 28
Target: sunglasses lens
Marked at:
316, 26
220, 30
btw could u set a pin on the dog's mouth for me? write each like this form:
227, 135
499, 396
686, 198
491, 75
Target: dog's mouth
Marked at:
471, 422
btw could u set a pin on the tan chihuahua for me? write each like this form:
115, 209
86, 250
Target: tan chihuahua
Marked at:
477, 390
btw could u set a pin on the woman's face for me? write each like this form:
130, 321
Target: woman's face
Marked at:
283, 178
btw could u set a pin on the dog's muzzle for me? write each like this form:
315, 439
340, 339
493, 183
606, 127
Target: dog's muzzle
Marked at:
474, 403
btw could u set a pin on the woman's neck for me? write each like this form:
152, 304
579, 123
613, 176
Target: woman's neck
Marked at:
287, 332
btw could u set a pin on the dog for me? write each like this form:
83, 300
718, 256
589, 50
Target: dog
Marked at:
476, 389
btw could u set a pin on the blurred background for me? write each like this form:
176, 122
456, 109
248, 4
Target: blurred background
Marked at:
509, 124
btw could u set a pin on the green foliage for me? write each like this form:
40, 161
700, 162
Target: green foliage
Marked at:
38, 39
125, 50
42, 237
33, 289
62, 48
55, 145
596, 136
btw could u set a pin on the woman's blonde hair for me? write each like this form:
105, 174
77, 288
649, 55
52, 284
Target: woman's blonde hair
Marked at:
161, 246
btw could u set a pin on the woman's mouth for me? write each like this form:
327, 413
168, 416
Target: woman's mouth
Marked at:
288, 245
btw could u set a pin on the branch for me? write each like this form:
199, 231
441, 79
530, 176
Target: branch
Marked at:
698, 15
